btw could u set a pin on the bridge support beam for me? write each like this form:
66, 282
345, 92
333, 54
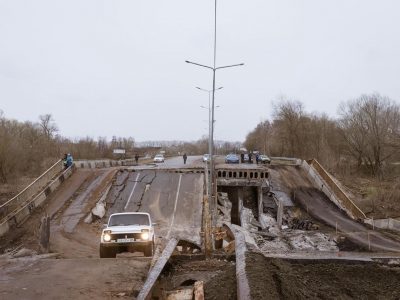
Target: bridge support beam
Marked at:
260, 203
280, 214
240, 203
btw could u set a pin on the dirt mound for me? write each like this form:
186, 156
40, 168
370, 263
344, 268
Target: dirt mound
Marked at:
271, 278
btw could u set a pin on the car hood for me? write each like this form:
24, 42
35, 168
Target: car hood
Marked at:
131, 228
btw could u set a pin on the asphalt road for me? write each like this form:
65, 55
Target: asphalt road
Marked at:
174, 200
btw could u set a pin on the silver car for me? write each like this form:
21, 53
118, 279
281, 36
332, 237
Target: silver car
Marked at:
159, 158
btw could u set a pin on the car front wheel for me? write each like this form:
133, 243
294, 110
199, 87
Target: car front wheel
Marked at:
149, 250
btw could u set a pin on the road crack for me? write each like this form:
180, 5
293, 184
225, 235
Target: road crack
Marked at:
139, 203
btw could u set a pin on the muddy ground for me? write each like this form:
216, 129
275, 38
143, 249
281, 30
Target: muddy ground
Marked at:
271, 278
32, 279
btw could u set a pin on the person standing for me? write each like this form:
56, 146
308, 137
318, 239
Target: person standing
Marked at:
137, 158
257, 158
242, 157
250, 158
184, 158
70, 160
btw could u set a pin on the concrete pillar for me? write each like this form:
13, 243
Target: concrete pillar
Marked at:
280, 214
260, 203
44, 234
207, 228
240, 202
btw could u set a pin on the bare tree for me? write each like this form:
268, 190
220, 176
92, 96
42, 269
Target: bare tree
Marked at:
48, 125
289, 119
369, 125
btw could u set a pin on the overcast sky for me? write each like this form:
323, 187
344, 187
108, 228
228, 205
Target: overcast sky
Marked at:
117, 67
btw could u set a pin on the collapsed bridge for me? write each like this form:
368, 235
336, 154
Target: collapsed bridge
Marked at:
287, 209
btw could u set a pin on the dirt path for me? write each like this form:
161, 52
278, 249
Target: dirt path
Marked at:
72, 278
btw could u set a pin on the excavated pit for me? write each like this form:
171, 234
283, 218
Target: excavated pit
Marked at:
181, 273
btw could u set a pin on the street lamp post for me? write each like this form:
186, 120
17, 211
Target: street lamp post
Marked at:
211, 135
210, 126
214, 68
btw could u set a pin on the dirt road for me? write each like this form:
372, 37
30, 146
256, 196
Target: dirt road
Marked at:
71, 278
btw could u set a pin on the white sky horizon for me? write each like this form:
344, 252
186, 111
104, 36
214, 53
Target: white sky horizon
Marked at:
105, 68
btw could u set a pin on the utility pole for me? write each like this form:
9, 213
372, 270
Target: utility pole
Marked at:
214, 68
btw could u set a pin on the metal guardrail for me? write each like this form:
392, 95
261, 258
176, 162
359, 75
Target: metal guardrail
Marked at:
388, 223
103, 163
337, 190
31, 190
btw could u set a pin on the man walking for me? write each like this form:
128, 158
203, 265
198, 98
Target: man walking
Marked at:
184, 158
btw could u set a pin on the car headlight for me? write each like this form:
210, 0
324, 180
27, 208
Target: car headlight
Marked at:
145, 234
107, 237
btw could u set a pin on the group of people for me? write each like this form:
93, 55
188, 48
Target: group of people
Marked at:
67, 160
250, 158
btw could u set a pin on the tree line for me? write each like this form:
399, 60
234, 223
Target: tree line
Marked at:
366, 135
29, 148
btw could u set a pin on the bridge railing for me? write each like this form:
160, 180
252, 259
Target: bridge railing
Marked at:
103, 163
31, 190
388, 223
338, 192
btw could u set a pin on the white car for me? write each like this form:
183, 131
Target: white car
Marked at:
130, 231
206, 157
158, 158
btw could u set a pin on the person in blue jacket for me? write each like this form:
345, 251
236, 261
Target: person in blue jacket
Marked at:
70, 160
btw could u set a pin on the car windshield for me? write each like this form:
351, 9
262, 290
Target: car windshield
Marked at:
159, 155
125, 220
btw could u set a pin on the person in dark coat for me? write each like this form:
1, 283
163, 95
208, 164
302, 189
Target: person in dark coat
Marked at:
137, 158
242, 157
184, 158
250, 158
